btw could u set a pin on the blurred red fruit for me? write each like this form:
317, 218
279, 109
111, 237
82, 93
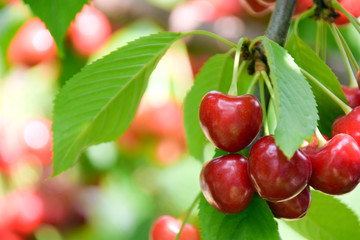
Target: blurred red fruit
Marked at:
90, 31
352, 6
32, 44
254, 7
302, 6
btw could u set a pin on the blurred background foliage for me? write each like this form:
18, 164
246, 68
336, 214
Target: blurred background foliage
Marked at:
117, 189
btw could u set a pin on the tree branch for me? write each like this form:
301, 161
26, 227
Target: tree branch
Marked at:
280, 21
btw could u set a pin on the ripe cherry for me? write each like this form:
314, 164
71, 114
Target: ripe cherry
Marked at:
273, 175
294, 208
225, 183
90, 31
348, 124
302, 6
352, 95
352, 6
167, 227
255, 7
32, 44
336, 165
230, 123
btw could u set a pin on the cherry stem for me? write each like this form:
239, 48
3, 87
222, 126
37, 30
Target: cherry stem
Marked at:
347, 50
252, 83
351, 18
236, 71
257, 39
323, 41
188, 213
268, 84
320, 138
263, 106
352, 79
303, 15
209, 34
337, 100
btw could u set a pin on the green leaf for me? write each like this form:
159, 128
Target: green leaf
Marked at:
327, 219
254, 223
98, 103
307, 59
294, 101
57, 15
215, 75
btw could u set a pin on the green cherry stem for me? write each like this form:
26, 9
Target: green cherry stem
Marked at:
320, 138
352, 79
347, 50
351, 18
188, 213
268, 84
303, 15
252, 83
252, 44
233, 86
263, 105
209, 34
337, 100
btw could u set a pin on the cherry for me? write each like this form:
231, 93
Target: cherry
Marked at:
229, 122
225, 183
302, 6
32, 44
267, 2
292, 209
255, 7
336, 165
273, 175
352, 6
348, 124
314, 141
37, 137
167, 227
90, 31
352, 95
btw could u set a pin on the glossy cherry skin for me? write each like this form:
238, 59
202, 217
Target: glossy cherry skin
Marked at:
230, 123
294, 208
352, 95
336, 165
349, 124
273, 175
90, 31
32, 44
352, 6
225, 183
302, 6
255, 7
167, 227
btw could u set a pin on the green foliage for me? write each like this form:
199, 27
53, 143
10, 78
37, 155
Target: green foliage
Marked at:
215, 75
307, 59
327, 219
57, 15
98, 103
254, 223
295, 104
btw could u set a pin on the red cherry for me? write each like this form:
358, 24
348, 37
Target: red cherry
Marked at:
352, 95
225, 183
32, 44
37, 137
349, 124
255, 7
314, 141
90, 30
230, 123
352, 6
302, 6
292, 209
28, 210
336, 165
167, 227
274, 176
267, 2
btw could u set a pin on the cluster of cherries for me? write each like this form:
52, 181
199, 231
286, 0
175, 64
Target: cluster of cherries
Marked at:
229, 182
